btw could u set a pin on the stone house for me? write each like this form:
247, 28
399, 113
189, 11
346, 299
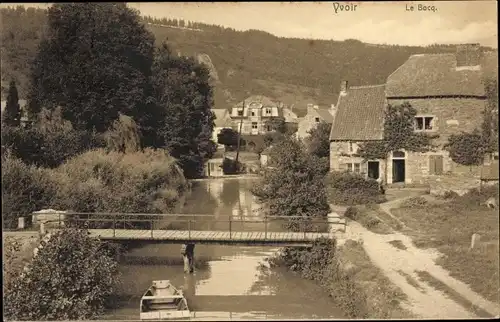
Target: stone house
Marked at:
253, 115
222, 121
314, 116
449, 96
359, 119
448, 93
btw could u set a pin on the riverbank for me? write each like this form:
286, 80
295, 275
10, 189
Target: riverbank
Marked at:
348, 276
228, 177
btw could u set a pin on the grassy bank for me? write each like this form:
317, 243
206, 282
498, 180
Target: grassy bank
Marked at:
370, 217
355, 284
448, 225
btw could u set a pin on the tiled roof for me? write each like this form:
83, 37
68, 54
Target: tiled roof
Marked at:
360, 114
265, 101
221, 117
325, 115
437, 75
490, 172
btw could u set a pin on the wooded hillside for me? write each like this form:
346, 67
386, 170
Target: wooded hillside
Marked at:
293, 71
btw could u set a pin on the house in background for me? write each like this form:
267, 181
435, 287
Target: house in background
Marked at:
314, 116
222, 121
448, 94
23, 105
359, 119
254, 113
291, 119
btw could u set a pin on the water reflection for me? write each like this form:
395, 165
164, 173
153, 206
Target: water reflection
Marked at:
227, 279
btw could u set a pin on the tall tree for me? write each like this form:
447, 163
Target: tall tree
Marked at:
95, 63
318, 141
183, 92
12, 113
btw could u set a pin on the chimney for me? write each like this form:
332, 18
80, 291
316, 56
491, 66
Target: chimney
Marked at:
310, 108
468, 55
343, 88
316, 107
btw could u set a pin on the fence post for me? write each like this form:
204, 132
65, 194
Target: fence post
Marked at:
189, 228
265, 228
304, 227
152, 229
230, 221
114, 226
59, 220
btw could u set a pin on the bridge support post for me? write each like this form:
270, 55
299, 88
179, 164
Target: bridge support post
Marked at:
187, 251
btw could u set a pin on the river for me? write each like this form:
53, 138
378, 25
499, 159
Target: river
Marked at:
229, 281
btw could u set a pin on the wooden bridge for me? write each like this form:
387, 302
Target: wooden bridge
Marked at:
193, 229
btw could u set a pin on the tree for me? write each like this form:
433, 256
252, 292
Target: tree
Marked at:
399, 134
490, 115
12, 114
124, 135
50, 141
72, 277
318, 141
95, 63
228, 137
294, 187
467, 148
183, 92
277, 124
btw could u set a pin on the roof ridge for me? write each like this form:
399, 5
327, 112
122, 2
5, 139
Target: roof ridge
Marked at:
364, 86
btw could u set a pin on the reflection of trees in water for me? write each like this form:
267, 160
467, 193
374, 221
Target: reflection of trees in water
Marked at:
201, 200
230, 193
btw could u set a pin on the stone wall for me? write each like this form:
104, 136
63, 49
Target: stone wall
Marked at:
340, 154
451, 115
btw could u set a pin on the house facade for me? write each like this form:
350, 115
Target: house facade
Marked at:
359, 119
449, 96
447, 92
253, 114
314, 116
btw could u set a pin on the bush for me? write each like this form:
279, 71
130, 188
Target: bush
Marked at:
72, 277
450, 194
230, 166
140, 182
25, 189
351, 213
50, 142
414, 202
347, 188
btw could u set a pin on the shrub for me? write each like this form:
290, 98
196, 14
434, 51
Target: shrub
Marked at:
141, 182
351, 213
72, 277
414, 202
50, 142
230, 166
450, 194
347, 188
25, 189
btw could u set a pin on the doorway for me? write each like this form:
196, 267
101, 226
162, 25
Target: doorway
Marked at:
398, 170
373, 169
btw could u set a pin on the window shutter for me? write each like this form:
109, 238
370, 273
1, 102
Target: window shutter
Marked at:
439, 164
432, 164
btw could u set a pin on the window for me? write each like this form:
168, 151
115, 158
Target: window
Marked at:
435, 164
268, 111
317, 120
353, 167
351, 148
254, 125
423, 123
253, 113
240, 113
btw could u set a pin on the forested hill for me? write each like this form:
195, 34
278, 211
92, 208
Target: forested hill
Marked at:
293, 71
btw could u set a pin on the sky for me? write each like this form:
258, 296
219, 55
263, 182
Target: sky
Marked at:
450, 22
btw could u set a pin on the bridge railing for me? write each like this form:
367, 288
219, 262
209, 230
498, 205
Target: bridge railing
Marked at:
192, 222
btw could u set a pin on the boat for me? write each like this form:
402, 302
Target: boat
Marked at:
162, 301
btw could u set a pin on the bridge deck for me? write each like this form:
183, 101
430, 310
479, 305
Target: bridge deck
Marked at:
197, 236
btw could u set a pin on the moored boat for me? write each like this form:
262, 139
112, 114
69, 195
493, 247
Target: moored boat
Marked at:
162, 301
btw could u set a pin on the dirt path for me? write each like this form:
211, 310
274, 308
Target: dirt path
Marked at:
400, 266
